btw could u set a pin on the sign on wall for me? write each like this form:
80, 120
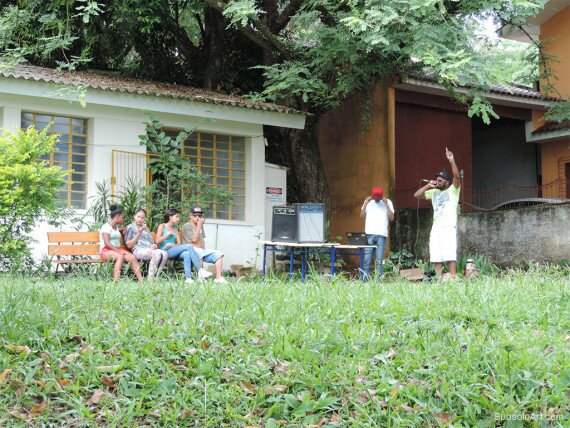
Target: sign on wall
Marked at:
274, 195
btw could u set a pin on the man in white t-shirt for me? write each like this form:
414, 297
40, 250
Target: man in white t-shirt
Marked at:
444, 195
378, 210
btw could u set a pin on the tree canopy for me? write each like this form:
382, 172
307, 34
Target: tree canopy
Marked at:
309, 54
312, 53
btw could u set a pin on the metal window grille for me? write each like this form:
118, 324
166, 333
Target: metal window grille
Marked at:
70, 153
222, 159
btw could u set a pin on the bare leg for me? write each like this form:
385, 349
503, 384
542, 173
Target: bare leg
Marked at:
438, 270
452, 268
218, 266
130, 258
118, 259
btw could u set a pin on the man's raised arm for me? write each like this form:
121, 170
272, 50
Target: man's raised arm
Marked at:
454, 169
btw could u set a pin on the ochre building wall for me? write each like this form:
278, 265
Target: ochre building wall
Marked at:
355, 160
554, 157
556, 33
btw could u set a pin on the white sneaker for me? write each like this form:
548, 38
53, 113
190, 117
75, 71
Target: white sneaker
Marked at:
221, 280
189, 281
203, 273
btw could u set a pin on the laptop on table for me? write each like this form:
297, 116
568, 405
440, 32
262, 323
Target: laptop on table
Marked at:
356, 238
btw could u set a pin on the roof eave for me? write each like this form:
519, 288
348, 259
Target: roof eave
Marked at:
515, 33
545, 137
417, 85
532, 25
131, 100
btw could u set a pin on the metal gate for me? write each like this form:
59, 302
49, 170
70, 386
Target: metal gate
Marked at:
129, 167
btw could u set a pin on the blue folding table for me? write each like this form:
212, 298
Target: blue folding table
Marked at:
351, 250
292, 248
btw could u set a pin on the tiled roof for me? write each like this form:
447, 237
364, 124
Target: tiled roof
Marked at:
113, 83
519, 91
552, 126
513, 90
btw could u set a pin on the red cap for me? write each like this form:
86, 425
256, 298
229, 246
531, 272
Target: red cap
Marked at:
377, 192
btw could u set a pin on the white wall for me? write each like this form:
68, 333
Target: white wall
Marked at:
118, 128
275, 178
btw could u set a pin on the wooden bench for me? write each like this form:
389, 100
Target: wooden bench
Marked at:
72, 248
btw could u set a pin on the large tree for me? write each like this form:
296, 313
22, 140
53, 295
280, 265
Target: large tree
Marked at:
309, 54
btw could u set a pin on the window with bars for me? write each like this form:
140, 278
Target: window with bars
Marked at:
70, 154
221, 158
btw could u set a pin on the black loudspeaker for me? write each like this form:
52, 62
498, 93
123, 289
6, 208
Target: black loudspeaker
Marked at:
311, 222
284, 224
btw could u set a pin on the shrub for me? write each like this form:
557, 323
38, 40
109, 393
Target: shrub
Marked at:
129, 197
399, 260
28, 190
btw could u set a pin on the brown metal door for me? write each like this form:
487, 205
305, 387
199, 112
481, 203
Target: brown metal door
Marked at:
567, 175
422, 134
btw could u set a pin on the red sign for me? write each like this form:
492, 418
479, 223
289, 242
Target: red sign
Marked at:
274, 190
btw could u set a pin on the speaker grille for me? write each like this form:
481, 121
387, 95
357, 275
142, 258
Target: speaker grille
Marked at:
284, 224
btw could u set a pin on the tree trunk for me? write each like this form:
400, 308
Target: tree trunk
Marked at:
298, 149
215, 25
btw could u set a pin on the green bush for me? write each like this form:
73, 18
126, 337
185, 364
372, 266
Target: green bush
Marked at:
398, 260
28, 190
129, 197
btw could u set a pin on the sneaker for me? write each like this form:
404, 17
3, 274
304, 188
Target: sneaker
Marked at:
203, 273
221, 280
189, 281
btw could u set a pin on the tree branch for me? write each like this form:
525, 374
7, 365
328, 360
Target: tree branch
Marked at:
327, 18
283, 19
259, 33
201, 25
188, 49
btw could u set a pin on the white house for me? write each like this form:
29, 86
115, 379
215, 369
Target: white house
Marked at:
100, 140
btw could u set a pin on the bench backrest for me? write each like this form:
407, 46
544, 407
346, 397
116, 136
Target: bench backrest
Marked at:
73, 243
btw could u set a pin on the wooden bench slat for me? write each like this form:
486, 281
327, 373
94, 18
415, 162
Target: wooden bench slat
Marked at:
75, 261
73, 250
80, 237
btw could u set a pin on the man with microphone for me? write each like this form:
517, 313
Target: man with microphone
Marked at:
444, 195
378, 210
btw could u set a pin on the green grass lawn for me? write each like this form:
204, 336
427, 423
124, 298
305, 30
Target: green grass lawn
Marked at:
484, 352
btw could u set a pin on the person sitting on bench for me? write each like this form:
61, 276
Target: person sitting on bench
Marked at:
139, 240
168, 240
110, 244
193, 233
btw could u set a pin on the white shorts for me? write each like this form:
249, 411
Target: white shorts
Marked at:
443, 244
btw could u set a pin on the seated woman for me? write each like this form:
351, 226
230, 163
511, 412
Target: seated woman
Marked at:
110, 244
139, 240
168, 240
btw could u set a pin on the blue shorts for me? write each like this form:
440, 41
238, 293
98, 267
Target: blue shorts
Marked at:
209, 256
